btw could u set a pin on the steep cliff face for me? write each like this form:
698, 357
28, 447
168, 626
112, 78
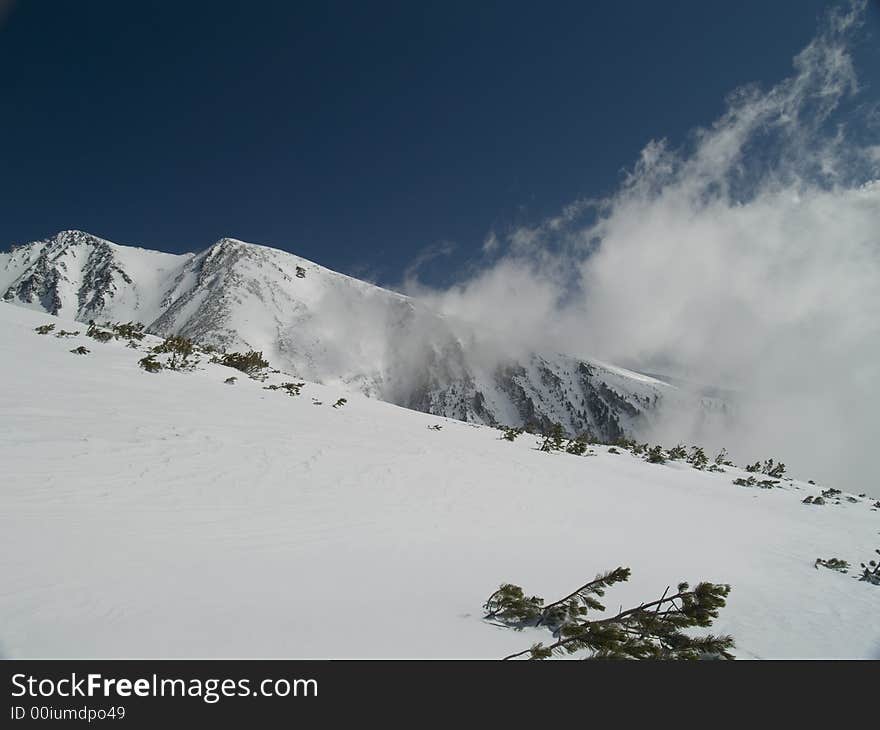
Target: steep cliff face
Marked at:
329, 328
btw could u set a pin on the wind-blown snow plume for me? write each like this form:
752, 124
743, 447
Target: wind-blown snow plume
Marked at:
748, 259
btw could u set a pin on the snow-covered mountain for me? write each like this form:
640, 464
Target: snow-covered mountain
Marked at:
330, 328
171, 514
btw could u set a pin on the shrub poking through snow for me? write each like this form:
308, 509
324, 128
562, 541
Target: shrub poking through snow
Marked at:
698, 458
769, 467
753, 482
44, 329
182, 350
341, 402
250, 362
774, 470
578, 446
99, 333
176, 345
655, 455
292, 389
132, 331
510, 434
554, 439
677, 452
871, 571
841, 566
80, 350
435, 427
150, 363
65, 333
230, 381
658, 629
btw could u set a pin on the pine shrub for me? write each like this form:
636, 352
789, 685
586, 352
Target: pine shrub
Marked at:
659, 629
554, 439
841, 566
698, 458
150, 363
871, 571
578, 446
250, 362
98, 333
292, 389
510, 434
132, 331
677, 452
182, 350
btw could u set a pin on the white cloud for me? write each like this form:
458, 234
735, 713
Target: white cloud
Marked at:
749, 258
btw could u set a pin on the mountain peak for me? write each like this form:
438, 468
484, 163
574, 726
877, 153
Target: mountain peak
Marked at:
75, 237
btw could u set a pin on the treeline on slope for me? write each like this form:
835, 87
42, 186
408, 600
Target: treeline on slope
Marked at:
554, 439
182, 353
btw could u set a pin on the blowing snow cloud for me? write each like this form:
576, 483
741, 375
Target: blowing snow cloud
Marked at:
747, 259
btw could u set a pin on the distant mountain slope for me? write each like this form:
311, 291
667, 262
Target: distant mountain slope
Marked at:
171, 514
331, 328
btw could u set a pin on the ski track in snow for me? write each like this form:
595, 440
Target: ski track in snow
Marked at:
172, 515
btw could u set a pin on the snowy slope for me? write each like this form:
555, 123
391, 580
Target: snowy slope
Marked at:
333, 329
170, 514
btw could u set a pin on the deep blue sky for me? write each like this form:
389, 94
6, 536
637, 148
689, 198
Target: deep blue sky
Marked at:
354, 134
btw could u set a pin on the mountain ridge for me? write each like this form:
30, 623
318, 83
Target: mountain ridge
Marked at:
332, 328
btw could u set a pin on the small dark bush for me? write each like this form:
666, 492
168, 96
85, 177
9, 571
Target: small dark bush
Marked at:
841, 566
510, 434
292, 389
554, 439
44, 329
182, 351
150, 363
677, 452
871, 571
98, 333
129, 331
248, 362
750, 482
698, 458
578, 447
176, 345
80, 350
